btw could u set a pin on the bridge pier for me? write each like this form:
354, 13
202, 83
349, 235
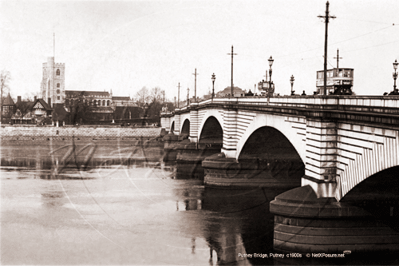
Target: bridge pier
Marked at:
190, 156
273, 173
305, 223
321, 164
170, 151
165, 122
230, 133
194, 123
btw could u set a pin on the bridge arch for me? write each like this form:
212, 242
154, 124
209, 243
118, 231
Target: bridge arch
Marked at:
185, 129
280, 124
172, 126
379, 195
268, 141
211, 131
210, 113
275, 153
381, 157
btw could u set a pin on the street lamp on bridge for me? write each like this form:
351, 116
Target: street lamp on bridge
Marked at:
213, 85
269, 91
395, 76
292, 79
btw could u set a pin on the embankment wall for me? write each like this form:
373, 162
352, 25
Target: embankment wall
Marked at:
11, 133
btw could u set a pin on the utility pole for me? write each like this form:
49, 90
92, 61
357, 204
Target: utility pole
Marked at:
178, 95
326, 17
1, 107
188, 97
54, 45
195, 85
337, 59
232, 86
53, 70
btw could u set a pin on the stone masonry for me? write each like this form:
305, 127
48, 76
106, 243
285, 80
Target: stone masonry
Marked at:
37, 133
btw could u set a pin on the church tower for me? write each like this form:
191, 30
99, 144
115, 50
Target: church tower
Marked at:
53, 82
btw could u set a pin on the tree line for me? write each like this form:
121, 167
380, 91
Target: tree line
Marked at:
152, 101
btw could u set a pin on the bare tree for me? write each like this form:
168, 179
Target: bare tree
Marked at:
157, 94
5, 78
30, 95
142, 96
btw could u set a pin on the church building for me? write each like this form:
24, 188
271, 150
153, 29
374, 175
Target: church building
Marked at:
53, 82
72, 106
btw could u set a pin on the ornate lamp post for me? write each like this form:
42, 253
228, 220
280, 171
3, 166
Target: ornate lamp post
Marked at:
270, 78
395, 76
213, 85
145, 116
292, 79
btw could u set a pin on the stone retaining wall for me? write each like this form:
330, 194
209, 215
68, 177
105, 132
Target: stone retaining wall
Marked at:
21, 133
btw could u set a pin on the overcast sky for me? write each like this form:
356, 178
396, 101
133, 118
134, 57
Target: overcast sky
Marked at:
127, 45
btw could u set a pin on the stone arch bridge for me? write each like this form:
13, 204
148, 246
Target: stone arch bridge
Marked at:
341, 140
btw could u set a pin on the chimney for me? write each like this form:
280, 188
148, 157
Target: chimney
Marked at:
49, 102
18, 99
34, 98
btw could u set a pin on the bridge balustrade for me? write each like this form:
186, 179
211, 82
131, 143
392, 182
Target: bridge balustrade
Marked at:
372, 104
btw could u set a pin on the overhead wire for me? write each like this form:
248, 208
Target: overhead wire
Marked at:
281, 56
363, 34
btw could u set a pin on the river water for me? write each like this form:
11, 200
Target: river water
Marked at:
112, 203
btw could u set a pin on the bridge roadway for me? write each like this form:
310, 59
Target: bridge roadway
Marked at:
341, 141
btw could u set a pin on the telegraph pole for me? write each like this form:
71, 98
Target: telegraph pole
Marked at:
1, 101
232, 86
53, 70
54, 45
337, 59
195, 85
178, 95
188, 96
326, 17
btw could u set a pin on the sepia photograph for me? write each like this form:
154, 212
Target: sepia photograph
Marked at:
199, 132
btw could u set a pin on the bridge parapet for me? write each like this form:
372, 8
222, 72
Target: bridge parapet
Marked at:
384, 104
380, 110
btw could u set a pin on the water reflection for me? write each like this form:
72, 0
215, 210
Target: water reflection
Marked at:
234, 222
225, 223
239, 224
79, 156
189, 199
139, 205
53, 196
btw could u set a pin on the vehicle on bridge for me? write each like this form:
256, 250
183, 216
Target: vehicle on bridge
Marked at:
339, 81
266, 88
